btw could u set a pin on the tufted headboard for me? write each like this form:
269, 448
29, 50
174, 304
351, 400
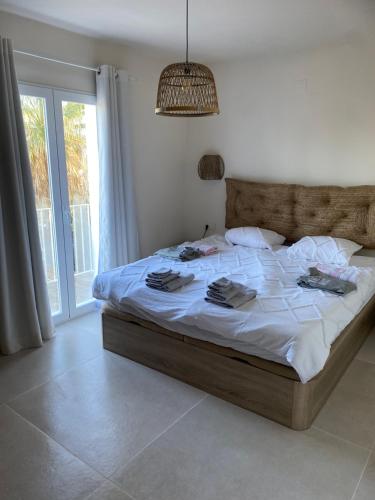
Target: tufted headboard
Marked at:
296, 211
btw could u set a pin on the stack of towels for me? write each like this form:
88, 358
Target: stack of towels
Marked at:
185, 253
166, 280
226, 293
316, 279
190, 253
206, 250
193, 252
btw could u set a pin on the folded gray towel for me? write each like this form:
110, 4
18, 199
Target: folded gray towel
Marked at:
321, 281
190, 253
227, 293
237, 301
221, 284
160, 273
171, 286
162, 280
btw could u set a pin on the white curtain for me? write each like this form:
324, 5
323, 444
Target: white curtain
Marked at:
25, 317
118, 234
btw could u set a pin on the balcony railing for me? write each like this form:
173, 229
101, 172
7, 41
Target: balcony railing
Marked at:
82, 242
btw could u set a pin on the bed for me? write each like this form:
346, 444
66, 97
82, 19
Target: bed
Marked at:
263, 379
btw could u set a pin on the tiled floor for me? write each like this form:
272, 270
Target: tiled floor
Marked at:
77, 422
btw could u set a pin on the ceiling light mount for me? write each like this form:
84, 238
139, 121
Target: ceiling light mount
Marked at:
187, 88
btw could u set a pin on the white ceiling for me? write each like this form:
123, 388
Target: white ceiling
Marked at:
219, 29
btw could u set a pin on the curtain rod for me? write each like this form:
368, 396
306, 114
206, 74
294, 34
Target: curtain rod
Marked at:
73, 65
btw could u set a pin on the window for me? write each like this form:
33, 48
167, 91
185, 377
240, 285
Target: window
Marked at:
62, 141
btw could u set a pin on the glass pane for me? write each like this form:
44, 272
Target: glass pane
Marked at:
34, 115
81, 152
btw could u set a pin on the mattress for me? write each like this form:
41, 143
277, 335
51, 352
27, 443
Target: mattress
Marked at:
285, 323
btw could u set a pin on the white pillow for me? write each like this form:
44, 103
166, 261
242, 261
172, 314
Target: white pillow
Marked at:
254, 237
324, 249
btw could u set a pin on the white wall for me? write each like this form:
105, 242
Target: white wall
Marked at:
307, 118
158, 143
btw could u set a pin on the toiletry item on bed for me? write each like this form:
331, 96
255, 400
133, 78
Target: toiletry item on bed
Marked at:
167, 280
226, 293
322, 281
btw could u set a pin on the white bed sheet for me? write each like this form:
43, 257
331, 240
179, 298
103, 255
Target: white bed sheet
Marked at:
285, 323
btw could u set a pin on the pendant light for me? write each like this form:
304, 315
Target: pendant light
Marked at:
186, 88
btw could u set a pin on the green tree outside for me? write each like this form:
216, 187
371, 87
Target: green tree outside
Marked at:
75, 149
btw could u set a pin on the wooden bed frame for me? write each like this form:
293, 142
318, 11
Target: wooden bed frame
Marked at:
265, 387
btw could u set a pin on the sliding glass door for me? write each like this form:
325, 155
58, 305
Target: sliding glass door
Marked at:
62, 142
78, 151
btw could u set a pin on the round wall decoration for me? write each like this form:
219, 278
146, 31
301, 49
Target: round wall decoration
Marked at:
211, 167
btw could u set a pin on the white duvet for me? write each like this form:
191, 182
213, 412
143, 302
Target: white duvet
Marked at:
285, 323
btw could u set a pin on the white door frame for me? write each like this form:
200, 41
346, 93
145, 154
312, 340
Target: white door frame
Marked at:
60, 194
58, 97
54, 176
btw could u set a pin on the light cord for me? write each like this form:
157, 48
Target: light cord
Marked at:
187, 31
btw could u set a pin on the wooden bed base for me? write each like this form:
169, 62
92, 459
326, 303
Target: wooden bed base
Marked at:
267, 388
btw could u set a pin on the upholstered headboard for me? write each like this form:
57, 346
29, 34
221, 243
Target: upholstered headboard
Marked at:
296, 211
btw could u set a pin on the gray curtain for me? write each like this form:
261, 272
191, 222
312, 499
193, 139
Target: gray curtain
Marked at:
118, 233
25, 317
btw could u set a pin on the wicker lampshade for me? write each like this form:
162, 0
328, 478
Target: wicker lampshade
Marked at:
186, 89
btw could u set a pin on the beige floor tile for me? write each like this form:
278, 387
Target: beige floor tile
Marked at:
91, 322
366, 489
33, 466
108, 491
350, 409
107, 410
220, 452
75, 342
367, 351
